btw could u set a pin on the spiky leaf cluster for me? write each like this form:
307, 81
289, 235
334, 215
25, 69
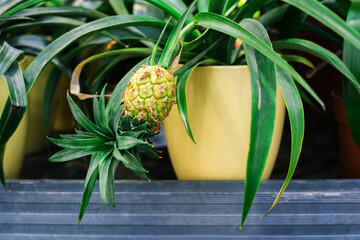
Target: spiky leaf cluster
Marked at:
111, 140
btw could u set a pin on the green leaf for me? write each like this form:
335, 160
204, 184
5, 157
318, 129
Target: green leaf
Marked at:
165, 59
296, 118
51, 20
125, 142
263, 109
217, 6
22, 6
103, 179
114, 119
103, 117
298, 59
135, 165
174, 10
2, 174
320, 52
203, 5
111, 183
14, 18
69, 11
6, 5
351, 56
231, 28
78, 144
8, 55
119, 7
69, 154
273, 16
90, 181
153, 55
129, 161
323, 32
15, 107
324, 15
33, 71
84, 121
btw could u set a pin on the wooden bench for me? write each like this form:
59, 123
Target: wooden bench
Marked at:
309, 209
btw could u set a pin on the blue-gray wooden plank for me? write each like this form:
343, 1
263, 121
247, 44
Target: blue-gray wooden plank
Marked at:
309, 209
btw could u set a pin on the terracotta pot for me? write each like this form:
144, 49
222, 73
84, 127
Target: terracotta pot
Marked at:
349, 152
219, 108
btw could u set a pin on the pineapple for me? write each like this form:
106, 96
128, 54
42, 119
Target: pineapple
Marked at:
150, 94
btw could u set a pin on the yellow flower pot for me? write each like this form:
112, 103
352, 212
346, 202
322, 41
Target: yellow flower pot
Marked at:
60, 116
15, 148
219, 108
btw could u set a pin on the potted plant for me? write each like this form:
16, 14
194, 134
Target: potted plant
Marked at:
112, 137
347, 106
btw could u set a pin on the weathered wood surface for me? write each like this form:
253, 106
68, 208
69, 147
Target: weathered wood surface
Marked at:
309, 209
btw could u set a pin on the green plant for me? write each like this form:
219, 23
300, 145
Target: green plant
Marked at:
207, 37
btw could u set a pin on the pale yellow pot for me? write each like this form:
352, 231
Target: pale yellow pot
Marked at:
15, 148
60, 116
219, 108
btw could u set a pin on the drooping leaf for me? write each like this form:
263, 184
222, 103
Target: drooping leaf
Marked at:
351, 56
125, 142
324, 15
296, 118
22, 6
78, 144
320, 52
263, 109
33, 71
231, 28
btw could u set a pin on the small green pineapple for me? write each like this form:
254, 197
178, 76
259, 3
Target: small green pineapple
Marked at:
150, 94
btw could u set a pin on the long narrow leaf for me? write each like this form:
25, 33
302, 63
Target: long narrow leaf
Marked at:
84, 121
68, 155
263, 109
103, 179
328, 18
351, 56
320, 52
231, 28
296, 118
22, 6
173, 40
33, 71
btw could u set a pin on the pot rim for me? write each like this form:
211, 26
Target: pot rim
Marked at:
222, 66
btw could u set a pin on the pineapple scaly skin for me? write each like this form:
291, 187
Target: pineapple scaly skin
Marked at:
150, 94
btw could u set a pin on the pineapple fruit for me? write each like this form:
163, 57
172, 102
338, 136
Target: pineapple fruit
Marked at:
150, 94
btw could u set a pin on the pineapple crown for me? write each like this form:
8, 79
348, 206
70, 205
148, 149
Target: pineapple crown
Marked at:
112, 139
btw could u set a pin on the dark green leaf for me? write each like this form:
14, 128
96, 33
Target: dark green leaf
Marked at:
78, 144
84, 121
119, 7
296, 118
320, 52
329, 19
8, 55
169, 7
33, 71
22, 6
153, 55
69, 11
111, 183
351, 56
263, 109
68, 155
6, 5
165, 59
103, 179
126, 142
231, 28
129, 161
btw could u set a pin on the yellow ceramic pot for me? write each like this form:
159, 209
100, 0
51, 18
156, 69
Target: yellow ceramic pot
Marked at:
15, 148
219, 108
60, 116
